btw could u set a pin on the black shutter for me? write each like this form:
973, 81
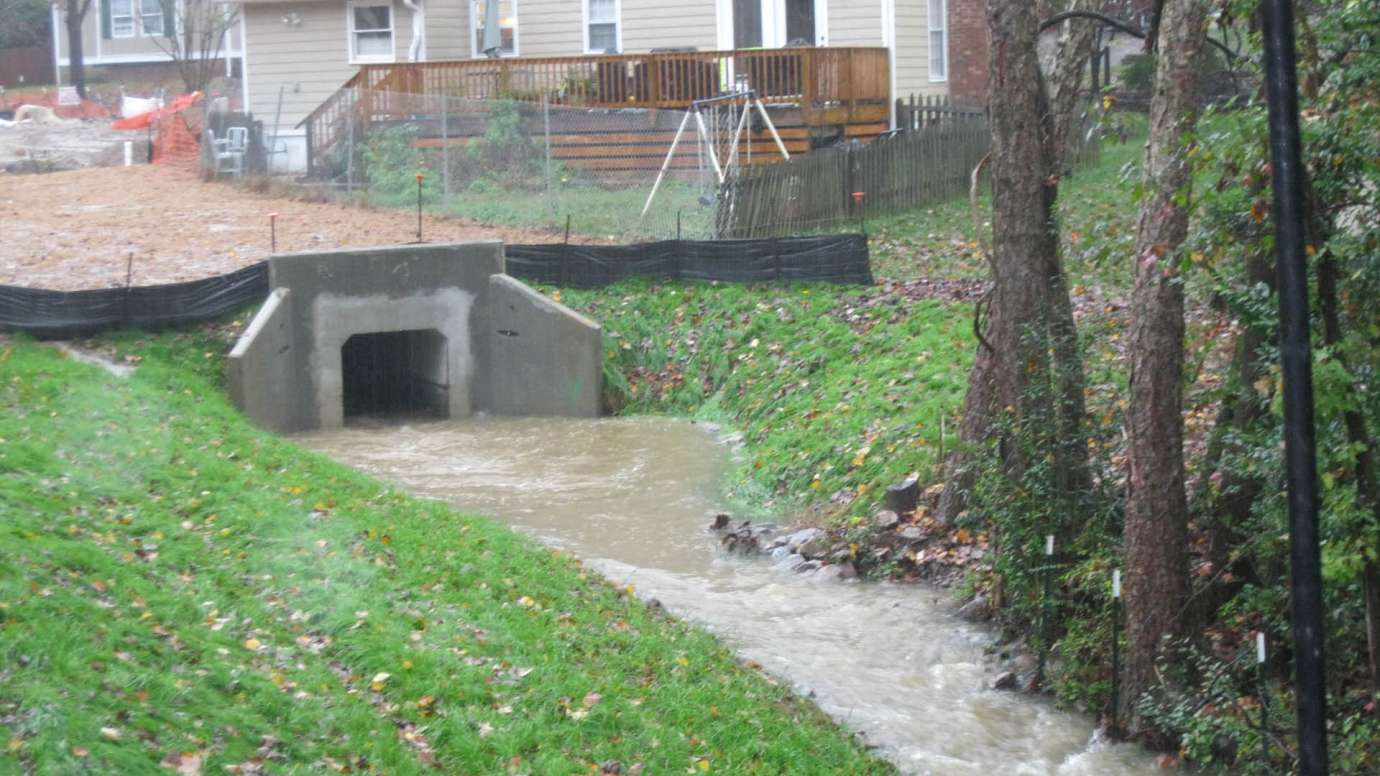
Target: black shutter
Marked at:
105, 18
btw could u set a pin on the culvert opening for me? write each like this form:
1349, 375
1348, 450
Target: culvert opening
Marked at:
396, 373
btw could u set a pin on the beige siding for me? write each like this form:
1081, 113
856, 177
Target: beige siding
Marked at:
447, 23
310, 59
913, 50
550, 28
649, 24
855, 22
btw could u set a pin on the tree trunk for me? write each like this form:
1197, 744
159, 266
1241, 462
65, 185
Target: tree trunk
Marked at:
1031, 329
1367, 486
979, 413
1156, 530
1076, 43
76, 68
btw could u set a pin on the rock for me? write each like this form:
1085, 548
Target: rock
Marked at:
809, 565
720, 522
780, 552
903, 496
817, 547
975, 610
836, 572
886, 519
802, 536
790, 563
911, 532
1007, 680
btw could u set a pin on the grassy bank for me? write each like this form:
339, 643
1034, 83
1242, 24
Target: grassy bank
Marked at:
181, 589
838, 391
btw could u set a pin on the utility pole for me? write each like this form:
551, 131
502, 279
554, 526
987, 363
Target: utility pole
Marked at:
1300, 444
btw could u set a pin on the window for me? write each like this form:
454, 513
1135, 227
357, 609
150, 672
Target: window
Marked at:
602, 26
151, 16
939, 41
122, 18
507, 26
371, 33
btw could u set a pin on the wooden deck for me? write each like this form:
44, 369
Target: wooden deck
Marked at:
841, 92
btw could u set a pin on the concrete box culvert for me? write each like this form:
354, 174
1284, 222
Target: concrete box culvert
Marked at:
435, 330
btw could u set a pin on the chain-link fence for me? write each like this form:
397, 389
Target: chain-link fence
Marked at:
532, 165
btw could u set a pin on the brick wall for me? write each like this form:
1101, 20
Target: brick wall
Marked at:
969, 41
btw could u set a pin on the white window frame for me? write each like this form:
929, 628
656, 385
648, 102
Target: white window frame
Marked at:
475, 51
354, 58
162, 19
133, 30
943, 30
587, 21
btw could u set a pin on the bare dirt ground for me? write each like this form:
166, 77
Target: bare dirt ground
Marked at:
78, 229
69, 144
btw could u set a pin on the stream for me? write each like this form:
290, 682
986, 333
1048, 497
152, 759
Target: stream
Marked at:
633, 497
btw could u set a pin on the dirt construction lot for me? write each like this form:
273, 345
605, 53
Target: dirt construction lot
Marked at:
78, 229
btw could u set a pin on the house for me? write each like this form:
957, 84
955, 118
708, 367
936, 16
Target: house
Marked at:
299, 53
126, 40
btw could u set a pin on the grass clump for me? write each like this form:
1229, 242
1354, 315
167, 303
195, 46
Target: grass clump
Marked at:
181, 590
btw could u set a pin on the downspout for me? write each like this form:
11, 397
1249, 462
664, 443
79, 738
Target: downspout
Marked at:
417, 51
889, 40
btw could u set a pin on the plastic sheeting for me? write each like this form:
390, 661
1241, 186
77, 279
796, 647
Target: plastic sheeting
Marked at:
831, 258
62, 314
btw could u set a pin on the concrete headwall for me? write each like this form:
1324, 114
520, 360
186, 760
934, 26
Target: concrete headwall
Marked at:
286, 372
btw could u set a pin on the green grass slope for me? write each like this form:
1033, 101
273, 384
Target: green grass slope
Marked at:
181, 591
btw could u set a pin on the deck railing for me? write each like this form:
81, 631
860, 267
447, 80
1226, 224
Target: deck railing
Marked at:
829, 85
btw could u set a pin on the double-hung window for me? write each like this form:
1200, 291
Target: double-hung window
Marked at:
601, 26
121, 18
939, 40
371, 33
151, 16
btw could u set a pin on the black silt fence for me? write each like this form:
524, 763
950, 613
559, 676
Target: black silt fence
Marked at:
843, 259
827, 258
61, 314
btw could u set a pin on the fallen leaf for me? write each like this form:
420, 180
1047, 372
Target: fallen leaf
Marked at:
110, 733
184, 763
252, 644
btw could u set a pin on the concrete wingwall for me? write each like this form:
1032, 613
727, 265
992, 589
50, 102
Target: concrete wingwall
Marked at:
287, 373
546, 359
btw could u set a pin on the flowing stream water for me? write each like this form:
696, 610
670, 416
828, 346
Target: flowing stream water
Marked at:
633, 499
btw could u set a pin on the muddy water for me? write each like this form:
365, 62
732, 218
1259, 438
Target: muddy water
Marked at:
633, 497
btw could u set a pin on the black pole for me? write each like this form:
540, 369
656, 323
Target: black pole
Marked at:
1300, 445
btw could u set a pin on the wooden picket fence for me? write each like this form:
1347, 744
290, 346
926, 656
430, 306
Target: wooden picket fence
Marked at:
929, 161
922, 111
820, 190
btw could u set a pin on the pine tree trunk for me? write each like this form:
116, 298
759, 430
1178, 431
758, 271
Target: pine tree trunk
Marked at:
1156, 530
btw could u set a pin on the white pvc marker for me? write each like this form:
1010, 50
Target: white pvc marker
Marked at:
1116, 583
1260, 647
129, 153
1049, 544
